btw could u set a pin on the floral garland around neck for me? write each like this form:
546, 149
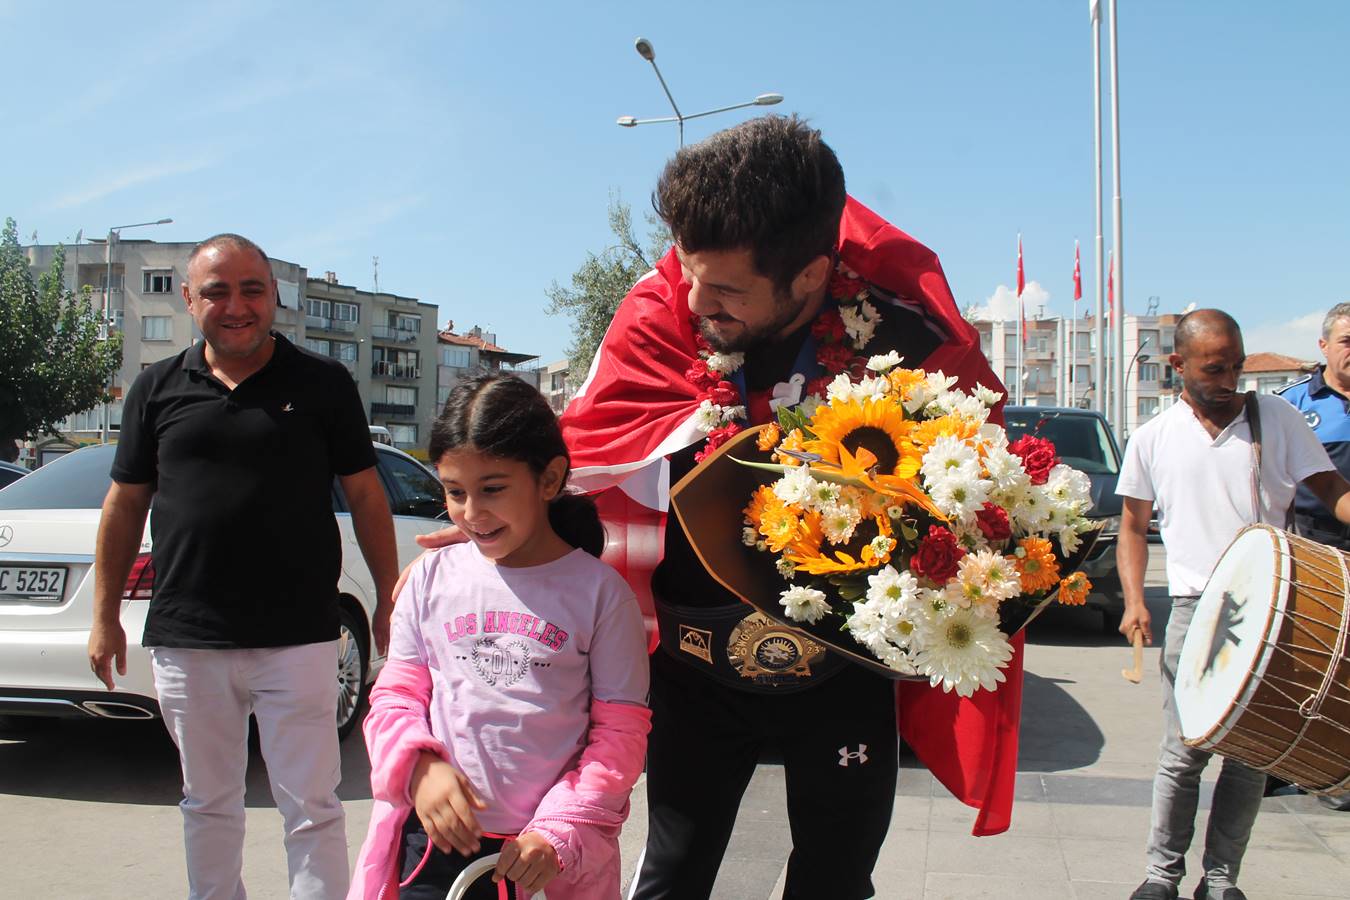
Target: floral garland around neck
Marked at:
840, 334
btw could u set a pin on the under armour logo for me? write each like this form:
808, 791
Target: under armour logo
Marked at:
845, 755
288, 408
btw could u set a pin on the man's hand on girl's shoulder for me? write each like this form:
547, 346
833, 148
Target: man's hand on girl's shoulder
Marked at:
445, 800
529, 860
433, 541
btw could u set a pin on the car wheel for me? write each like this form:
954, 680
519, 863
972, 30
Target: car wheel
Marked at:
353, 664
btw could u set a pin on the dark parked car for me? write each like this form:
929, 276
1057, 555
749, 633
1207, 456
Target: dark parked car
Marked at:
1085, 442
10, 473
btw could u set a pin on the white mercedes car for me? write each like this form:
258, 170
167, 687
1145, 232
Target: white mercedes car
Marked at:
48, 523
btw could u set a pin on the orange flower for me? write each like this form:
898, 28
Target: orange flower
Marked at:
780, 526
760, 500
903, 380
1036, 564
795, 440
768, 438
1073, 590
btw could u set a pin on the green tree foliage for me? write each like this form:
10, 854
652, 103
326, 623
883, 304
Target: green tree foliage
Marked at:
602, 281
53, 362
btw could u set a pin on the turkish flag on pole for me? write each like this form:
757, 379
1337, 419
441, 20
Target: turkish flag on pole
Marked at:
1077, 277
1110, 290
1021, 284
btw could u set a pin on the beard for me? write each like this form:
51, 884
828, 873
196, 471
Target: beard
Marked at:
1215, 399
748, 337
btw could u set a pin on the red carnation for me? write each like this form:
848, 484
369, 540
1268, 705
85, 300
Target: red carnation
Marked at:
843, 287
828, 328
818, 387
700, 376
835, 358
724, 393
938, 556
993, 522
1038, 456
716, 438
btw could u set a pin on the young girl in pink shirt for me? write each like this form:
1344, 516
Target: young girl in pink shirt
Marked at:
511, 714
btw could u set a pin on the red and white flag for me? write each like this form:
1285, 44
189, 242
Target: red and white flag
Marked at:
1021, 285
1077, 279
1110, 290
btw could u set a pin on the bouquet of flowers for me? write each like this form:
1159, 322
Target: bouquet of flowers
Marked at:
901, 516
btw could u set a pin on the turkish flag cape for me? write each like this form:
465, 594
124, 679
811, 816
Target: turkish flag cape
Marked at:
636, 406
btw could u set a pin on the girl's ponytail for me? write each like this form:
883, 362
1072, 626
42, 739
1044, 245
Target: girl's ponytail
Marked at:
577, 521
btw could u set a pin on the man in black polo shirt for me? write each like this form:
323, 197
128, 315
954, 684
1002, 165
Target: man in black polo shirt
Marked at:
237, 441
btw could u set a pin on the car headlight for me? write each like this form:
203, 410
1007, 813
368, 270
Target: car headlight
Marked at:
1110, 526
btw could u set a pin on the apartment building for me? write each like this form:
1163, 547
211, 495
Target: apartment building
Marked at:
476, 350
388, 343
1266, 373
554, 384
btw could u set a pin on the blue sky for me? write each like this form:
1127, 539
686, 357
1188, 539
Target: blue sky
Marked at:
472, 147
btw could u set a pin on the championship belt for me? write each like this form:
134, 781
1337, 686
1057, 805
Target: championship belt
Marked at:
744, 648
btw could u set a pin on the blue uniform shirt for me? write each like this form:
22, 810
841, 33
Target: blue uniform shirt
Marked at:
1328, 413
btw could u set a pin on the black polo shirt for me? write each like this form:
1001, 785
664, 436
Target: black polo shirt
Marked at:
246, 548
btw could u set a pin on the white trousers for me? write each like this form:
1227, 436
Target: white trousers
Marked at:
206, 697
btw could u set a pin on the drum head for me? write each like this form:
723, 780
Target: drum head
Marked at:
1224, 654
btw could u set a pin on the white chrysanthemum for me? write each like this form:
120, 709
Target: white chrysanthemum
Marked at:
885, 362
993, 436
987, 396
972, 409
860, 321
838, 520
890, 586
968, 535
895, 512
898, 660
786, 568
939, 383
871, 389
867, 625
824, 494
803, 604
959, 493
730, 413
1069, 488
725, 363
810, 405
1032, 509
1005, 470
917, 398
749, 537
996, 577
882, 545
795, 486
948, 453
962, 651
708, 416
840, 389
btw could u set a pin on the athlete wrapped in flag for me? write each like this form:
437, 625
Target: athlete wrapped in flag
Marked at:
738, 317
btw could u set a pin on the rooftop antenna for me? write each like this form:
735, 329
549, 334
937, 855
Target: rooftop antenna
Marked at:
375, 263
1153, 303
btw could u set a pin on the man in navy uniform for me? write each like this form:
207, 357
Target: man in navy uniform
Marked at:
1324, 399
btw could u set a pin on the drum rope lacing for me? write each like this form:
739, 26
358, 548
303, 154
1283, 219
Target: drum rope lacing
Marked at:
1311, 707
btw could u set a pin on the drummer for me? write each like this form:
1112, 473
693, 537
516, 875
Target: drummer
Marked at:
1194, 464
1324, 399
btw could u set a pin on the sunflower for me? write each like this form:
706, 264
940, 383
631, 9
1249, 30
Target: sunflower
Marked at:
1036, 564
1073, 590
876, 425
870, 553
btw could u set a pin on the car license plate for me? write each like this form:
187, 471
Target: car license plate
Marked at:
32, 582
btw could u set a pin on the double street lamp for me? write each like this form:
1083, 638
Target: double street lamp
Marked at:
647, 52
113, 234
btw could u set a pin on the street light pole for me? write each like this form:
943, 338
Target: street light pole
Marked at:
647, 52
1139, 356
113, 234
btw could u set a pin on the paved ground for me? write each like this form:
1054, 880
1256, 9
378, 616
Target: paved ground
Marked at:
87, 810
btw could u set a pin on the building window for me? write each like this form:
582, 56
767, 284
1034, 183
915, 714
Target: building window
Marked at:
1148, 407
1010, 344
1149, 339
346, 312
157, 328
1149, 372
318, 308
156, 281
401, 322
558, 381
442, 395
403, 435
404, 396
1010, 377
317, 345
344, 350
457, 357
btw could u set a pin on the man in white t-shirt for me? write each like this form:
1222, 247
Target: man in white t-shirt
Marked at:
1194, 464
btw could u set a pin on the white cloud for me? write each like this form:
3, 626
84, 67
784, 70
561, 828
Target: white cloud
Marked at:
1002, 305
121, 182
1293, 337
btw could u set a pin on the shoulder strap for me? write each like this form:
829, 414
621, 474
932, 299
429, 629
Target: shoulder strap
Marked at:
1254, 423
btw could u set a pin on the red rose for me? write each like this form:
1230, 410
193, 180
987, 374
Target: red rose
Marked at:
818, 387
724, 393
1038, 456
938, 555
700, 376
844, 288
828, 327
835, 358
716, 438
993, 522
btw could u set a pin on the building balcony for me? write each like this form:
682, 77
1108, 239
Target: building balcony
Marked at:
396, 371
398, 410
397, 335
322, 323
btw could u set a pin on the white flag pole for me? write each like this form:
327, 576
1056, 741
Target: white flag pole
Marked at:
1117, 237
